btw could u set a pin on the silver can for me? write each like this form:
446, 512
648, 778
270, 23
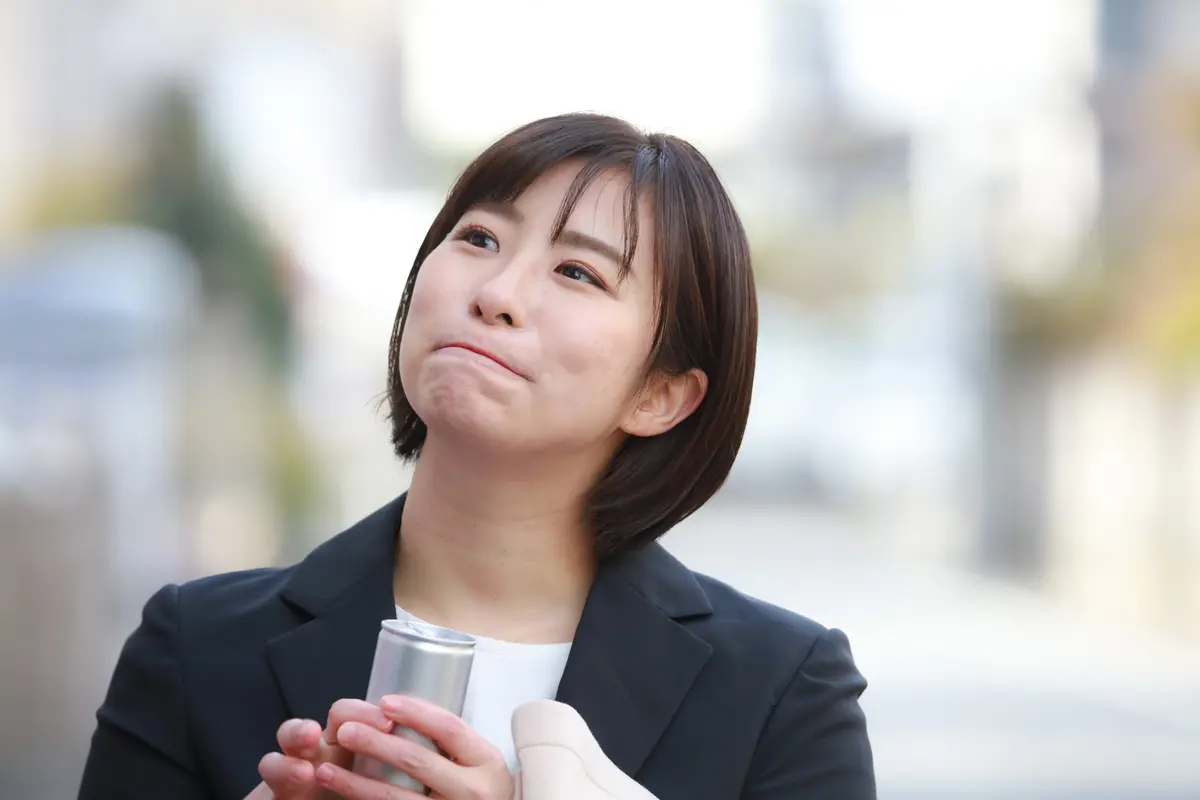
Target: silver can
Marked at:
417, 660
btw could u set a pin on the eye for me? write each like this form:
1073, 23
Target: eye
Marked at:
577, 272
478, 237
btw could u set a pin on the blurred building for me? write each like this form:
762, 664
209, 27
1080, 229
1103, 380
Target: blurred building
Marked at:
93, 328
17, 93
1123, 490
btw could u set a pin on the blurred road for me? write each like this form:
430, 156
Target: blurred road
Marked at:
977, 690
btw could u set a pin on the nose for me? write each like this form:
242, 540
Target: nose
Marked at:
500, 299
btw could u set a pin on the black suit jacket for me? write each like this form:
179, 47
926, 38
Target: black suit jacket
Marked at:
693, 689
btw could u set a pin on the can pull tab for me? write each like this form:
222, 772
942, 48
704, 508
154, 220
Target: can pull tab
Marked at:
423, 630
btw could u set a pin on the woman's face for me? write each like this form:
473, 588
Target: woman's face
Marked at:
516, 342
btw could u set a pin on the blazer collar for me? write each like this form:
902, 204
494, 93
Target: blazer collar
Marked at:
343, 589
630, 667
633, 662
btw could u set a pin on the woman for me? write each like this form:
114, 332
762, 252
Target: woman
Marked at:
570, 369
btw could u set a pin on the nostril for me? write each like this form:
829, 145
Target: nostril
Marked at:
507, 318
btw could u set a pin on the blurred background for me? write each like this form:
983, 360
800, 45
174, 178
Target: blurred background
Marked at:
975, 437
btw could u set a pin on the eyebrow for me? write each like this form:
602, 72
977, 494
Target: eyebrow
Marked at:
567, 237
506, 210
582, 240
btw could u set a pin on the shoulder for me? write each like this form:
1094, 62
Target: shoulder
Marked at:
801, 678
755, 645
230, 597
232, 610
768, 630
209, 616
234, 591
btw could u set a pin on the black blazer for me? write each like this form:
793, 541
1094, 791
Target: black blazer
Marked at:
693, 689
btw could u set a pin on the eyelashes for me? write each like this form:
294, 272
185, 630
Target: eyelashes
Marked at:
481, 238
473, 233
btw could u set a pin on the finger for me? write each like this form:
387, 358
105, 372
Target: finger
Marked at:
300, 738
422, 763
346, 784
348, 709
453, 735
286, 776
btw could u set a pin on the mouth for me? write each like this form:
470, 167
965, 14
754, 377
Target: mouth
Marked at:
471, 348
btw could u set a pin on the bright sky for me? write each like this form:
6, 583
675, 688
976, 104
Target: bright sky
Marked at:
477, 68
926, 60
473, 69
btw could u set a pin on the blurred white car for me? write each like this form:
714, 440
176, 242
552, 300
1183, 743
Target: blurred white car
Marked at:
850, 418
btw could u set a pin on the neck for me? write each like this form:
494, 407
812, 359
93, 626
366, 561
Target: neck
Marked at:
495, 549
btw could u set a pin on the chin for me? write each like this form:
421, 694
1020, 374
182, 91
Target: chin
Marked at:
468, 416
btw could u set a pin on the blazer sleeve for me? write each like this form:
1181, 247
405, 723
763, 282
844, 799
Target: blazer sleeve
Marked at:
815, 745
141, 747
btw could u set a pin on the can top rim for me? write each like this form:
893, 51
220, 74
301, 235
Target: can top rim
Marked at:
424, 631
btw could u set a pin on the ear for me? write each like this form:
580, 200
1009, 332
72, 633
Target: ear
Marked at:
665, 401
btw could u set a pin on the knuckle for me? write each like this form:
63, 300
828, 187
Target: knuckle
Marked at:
414, 757
284, 730
496, 761
456, 727
351, 710
278, 773
290, 732
341, 710
273, 765
497, 782
479, 790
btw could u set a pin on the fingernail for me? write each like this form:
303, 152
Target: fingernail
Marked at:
325, 772
347, 731
392, 703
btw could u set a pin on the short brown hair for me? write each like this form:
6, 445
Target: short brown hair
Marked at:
707, 314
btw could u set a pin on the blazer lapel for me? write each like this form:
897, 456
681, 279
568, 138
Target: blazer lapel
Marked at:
345, 587
631, 665
632, 662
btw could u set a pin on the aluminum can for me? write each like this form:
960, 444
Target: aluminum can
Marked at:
418, 660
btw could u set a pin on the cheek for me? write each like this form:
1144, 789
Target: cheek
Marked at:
435, 295
428, 298
433, 289
605, 353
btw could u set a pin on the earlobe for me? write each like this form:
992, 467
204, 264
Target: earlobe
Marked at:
666, 401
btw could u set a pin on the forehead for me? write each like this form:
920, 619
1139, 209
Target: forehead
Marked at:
604, 195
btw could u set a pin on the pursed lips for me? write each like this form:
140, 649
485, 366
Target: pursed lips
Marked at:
481, 351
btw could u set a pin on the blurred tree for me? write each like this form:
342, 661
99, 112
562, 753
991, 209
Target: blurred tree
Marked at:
1139, 284
180, 187
1135, 293
1047, 325
74, 193
183, 189
838, 262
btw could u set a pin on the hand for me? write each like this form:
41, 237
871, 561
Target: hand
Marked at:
291, 774
477, 772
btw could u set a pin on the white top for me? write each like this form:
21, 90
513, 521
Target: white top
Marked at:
505, 675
